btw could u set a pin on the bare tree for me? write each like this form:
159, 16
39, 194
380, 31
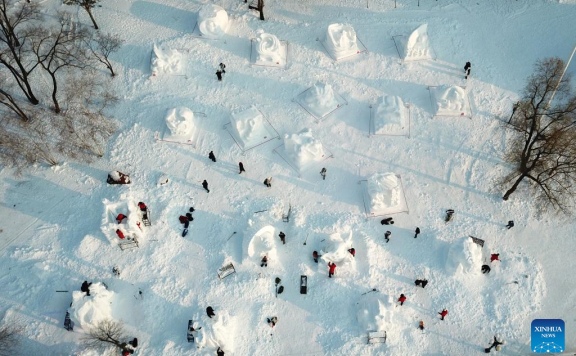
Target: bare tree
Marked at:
102, 46
105, 334
543, 137
259, 7
9, 339
87, 5
10, 103
14, 42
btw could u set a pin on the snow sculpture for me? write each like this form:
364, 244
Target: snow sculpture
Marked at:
451, 101
212, 21
180, 122
464, 257
248, 125
340, 41
263, 243
87, 311
269, 48
390, 115
335, 249
321, 99
375, 312
165, 61
217, 332
302, 148
417, 46
130, 227
384, 192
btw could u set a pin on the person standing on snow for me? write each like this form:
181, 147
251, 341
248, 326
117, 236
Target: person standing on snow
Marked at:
120, 234
241, 166
387, 221
485, 269
510, 224
352, 251
402, 299
268, 182
323, 173
120, 218
421, 325
467, 68
315, 256
205, 186
496, 343
264, 262
211, 156
272, 321
219, 352
282, 237
332, 269
417, 232
421, 282
387, 236
142, 206
210, 312
494, 257
443, 314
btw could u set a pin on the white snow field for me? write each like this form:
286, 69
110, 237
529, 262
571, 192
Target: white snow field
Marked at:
51, 228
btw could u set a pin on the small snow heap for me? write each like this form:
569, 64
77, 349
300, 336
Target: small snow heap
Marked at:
180, 122
213, 21
87, 311
303, 148
268, 48
335, 249
464, 257
262, 243
248, 125
451, 100
384, 192
340, 40
217, 332
375, 312
417, 46
167, 61
390, 115
321, 99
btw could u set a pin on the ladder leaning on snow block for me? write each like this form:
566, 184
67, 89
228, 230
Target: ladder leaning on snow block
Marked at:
286, 217
225, 271
146, 218
189, 335
131, 242
376, 337
303, 284
68, 323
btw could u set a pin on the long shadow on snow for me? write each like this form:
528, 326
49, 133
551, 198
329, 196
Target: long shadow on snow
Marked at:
163, 15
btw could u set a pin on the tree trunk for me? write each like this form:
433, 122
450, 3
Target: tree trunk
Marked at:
109, 65
513, 188
91, 17
21, 77
13, 105
54, 91
261, 9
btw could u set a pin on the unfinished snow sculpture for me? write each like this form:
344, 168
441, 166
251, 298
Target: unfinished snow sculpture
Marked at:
335, 249
375, 311
217, 332
131, 227
302, 148
212, 21
390, 115
269, 48
417, 46
464, 257
320, 99
87, 311
384, 192
263, 243
180, 122
248, 126
451, 101
165, 61
340, 41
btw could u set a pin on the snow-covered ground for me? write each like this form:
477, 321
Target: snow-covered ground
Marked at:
51, 230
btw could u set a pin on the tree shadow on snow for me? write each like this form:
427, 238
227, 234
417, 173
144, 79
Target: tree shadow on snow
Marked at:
164, 16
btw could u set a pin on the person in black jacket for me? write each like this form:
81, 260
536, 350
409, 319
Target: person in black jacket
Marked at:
467, 68
205, 186
210, 312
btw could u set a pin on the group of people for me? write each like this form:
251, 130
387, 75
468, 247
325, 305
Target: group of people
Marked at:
121, 217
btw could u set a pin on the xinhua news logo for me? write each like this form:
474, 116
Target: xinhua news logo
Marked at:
548, 336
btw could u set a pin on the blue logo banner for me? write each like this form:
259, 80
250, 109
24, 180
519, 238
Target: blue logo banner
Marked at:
548, 336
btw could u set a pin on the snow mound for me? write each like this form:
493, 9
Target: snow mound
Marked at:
249, 128
263, 243
166, 61
390, 116
320, 99
303, 148
129, 226
180, 122
384, 192
417, 46
335, 250
451, 101
269, 49
218, 332
340, 40
213, 21
375, 312
87, 311
464, 257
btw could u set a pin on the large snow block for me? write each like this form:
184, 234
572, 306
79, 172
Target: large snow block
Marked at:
212, 23
390, 116
268, 51
335, 248
165, 61
302, 150
464, 257
217, 332
320, 100
87, 311
375, 312
416, 46
340, 41
262, 243
131, 226
249, 128
383, 194
450, 101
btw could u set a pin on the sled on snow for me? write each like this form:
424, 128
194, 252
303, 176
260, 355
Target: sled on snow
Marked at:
376, 337
190, 332
303, 284
226, 271
130, 243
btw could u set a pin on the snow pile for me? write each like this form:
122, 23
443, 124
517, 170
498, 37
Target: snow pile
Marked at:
167, 61
320, 99
417, 46
464, 257
262, 243
180, 122
390, 116
384, 192
130, 226
375, 312
303, 149
212, 21
340, 40
451, 101
217, 332
335, 249
87, 311
248, 127
269, 49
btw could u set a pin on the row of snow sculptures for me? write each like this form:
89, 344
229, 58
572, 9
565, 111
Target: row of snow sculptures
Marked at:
416, 46
320, 100
341, 41
384, 195
451, 101
165, 61
269, 50
213, 22
390, 117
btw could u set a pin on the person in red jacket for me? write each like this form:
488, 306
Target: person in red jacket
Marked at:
402, 299
443, 313
120, 217
494, 257
332, 267
352, 252
142, 206
120, 234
